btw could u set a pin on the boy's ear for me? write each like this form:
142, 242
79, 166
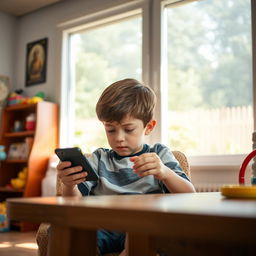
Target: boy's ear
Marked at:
150, 126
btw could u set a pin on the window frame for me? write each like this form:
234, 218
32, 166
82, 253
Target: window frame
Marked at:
153, 65
214, 160
91, 20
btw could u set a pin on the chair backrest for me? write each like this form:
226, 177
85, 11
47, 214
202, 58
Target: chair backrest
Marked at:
181, 157
183, 161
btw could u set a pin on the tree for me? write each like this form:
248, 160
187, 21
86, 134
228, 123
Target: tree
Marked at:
103, 55
214, 45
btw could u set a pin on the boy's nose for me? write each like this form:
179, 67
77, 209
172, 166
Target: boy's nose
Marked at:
120, 136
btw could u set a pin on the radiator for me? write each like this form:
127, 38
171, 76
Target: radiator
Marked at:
208, 187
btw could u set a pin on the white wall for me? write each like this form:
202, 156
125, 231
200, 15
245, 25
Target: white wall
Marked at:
8, 50
43, 23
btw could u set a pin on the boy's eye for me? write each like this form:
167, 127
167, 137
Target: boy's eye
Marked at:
110, 131
129, 130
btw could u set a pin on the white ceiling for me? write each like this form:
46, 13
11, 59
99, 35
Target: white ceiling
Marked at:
21, 7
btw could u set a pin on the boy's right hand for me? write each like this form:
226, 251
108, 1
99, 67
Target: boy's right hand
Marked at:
67, 176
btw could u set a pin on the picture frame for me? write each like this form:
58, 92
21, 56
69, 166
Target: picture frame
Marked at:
36, 62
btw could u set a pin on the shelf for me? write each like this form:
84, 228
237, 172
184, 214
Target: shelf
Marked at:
16, 160
11, 190
40, 143
20, 107
19, 134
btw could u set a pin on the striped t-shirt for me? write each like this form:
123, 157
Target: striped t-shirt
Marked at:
116, 174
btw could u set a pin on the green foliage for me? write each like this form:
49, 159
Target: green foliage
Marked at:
182, 83
181, 139
102, 56
91, 79
212, 50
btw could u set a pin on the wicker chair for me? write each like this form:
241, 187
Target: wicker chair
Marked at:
42, 233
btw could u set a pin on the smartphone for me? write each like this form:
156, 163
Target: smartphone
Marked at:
76, 157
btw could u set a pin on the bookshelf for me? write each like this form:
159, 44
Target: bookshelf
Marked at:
39, 143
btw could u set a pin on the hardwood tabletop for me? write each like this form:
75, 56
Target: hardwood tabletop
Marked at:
210, 203
205, 218
206, 213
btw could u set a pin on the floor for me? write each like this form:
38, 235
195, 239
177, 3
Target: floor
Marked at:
16, 243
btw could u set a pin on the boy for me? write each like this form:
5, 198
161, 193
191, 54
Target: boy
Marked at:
126, 110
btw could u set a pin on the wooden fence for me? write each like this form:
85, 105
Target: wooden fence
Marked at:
216, 131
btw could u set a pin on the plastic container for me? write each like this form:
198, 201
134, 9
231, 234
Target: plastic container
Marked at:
30, 122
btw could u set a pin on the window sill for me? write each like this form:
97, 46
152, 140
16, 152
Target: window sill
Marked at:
217, 160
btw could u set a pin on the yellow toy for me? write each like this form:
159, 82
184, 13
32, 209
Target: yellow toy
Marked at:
4, 222
20, 181
34, 100
37, 98
2, 208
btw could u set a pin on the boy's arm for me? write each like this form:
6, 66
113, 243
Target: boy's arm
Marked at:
69, 191
175, 183
150, 164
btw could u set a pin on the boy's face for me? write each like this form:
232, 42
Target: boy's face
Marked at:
127, 137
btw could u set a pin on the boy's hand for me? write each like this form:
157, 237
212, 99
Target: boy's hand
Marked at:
149, 164
67, 176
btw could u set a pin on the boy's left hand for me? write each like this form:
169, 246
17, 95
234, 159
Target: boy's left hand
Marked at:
149, 164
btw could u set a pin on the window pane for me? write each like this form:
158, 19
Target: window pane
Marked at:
210, 77
102, 56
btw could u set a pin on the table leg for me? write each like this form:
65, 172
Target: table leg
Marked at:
140, 245
67, 241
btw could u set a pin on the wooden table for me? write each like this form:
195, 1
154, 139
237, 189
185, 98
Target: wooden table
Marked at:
182, 224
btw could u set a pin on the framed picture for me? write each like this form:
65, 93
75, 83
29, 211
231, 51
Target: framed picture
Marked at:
36, 62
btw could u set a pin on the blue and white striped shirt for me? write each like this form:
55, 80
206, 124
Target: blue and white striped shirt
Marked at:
116, 174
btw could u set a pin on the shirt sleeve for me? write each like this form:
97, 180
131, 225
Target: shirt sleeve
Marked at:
170, 161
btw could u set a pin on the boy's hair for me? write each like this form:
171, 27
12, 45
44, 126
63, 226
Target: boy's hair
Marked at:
126, 97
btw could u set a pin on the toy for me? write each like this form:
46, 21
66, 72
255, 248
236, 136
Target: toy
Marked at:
30, 122
40, 96
20, 181
34, 100
2, 153
18, 126
14, 98
242, 190
4, 223
18, 97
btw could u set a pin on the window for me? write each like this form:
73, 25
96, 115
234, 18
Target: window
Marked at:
209, 77
100, 56
196, 55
